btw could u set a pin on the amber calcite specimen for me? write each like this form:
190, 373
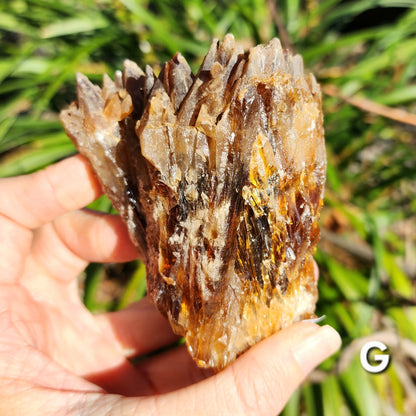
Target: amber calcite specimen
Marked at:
219, 177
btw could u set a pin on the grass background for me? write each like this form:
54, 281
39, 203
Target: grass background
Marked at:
364, 55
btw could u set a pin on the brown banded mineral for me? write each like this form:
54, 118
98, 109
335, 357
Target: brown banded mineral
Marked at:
219, 177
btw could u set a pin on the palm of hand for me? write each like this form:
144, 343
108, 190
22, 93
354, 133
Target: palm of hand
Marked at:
46, 329
56, 356
53, 337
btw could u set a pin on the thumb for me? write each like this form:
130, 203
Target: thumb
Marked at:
263, 379
259, 382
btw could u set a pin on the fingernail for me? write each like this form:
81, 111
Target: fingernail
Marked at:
315, 320
316, 348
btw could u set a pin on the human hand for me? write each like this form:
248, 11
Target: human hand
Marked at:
58, 359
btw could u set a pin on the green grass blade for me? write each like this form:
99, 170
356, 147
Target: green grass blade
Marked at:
356, 383
136, 287
73, 26
293, 405
332, 398
352, 283
311, 400
36, 156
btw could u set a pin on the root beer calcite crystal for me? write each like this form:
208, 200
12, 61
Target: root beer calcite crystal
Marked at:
219, 177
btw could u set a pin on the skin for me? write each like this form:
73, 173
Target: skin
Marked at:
56, 358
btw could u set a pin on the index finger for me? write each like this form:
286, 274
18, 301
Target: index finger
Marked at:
35, 199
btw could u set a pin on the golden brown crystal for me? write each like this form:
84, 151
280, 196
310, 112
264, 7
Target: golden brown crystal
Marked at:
219, 178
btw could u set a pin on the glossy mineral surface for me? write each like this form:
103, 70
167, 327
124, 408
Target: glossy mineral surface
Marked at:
219, 178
